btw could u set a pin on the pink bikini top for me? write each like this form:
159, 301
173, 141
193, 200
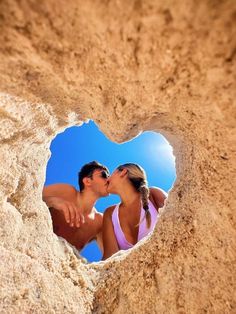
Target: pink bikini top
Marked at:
143, 229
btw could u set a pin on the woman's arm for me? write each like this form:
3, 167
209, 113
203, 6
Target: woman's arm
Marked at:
100, 242
98, 238
109, 240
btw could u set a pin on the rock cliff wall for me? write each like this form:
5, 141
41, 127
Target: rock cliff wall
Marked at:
130, 66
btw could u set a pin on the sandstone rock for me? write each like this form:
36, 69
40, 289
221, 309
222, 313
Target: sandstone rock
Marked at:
130, 66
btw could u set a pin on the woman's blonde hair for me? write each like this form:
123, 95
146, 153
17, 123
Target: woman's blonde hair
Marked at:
138, 179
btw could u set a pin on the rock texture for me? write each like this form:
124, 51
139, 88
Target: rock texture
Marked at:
135, 65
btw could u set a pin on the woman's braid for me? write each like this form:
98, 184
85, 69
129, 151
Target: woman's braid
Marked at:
144, 191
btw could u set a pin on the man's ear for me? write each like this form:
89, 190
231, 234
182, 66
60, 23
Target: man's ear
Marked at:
86, 181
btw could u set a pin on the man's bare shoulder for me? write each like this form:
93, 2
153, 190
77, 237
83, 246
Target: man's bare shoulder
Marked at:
60, 190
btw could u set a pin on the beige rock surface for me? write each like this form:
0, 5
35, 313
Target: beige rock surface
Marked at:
130, 66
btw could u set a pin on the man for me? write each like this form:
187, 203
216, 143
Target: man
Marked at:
73, 213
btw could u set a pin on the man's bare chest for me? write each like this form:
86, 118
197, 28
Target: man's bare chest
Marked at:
85, 234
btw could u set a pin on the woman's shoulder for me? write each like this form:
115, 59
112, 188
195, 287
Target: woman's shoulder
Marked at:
155, 189
158, 196
109, 210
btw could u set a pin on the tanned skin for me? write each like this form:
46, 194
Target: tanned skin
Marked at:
129, 212
74, 216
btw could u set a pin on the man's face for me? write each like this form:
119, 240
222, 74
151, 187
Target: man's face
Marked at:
99, 180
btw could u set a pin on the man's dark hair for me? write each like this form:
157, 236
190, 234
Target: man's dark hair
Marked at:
87, 171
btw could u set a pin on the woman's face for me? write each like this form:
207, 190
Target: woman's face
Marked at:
114, 181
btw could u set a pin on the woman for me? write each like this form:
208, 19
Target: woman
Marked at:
126, 223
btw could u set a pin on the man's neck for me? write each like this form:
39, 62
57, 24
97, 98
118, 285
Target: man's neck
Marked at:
86, 201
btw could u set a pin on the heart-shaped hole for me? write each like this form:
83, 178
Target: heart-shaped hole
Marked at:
77, 146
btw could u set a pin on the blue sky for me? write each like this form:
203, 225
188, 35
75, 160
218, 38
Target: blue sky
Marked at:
79, 145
